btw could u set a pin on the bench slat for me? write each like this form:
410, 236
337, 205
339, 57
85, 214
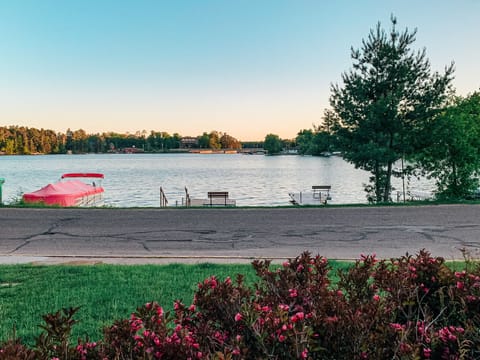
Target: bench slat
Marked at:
218, 194
321, 187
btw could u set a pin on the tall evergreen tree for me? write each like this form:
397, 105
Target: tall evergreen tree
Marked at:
385, 99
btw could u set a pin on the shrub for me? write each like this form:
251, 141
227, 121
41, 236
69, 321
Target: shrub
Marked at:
413, 307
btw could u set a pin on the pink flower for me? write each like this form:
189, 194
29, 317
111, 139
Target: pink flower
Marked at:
281, 338
460, 285
238, 317
331, 319
297, 317
427, 352
213, 283
283, 307
424, 288
304, 354
405, 348
376, 297
293, 292
266, 308
397, 326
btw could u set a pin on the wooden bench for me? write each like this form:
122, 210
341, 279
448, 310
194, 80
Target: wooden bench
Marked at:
217, 195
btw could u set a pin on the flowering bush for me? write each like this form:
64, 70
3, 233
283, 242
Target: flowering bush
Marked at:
413, 307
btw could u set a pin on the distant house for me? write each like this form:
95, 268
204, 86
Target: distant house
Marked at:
132, 150
188, 142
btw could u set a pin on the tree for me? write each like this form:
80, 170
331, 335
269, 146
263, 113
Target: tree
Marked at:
204, 141
453, 153
304, 141
214, 140
386, 97
229, 142
272, 144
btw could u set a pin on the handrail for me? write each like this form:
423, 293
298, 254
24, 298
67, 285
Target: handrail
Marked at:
163, 198
188, 201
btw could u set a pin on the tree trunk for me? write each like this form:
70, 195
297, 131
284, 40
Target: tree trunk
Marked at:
386, 190
378, 183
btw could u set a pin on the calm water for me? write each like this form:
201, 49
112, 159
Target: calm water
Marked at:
135, 180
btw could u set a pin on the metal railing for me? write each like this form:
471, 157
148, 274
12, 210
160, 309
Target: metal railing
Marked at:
188, 201
163, 198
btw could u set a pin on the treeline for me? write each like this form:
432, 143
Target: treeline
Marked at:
20, 140
318, 141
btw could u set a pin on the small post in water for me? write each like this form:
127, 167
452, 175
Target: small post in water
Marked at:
2, 180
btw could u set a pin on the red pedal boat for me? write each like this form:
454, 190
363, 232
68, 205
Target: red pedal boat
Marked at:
70, 191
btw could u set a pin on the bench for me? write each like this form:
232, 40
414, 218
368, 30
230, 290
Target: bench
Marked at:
217, 195
219, 198
318, 190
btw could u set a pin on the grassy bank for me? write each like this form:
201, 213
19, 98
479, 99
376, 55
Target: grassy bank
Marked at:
104, 292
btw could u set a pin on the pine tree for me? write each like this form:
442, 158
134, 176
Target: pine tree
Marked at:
386, 97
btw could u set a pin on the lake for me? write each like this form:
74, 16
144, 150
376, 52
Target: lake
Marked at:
134, 180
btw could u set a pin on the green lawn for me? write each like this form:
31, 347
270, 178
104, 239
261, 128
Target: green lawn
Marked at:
104, 292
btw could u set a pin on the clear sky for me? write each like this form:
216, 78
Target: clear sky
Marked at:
245, 67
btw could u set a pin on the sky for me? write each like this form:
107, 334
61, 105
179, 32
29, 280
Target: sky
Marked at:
245, 67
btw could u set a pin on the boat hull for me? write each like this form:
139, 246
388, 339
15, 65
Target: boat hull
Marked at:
66, 193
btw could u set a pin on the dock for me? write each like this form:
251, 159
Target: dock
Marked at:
318, 195
214, 199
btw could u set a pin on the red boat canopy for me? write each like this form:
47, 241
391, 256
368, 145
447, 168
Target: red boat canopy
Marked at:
62, 193
87, 175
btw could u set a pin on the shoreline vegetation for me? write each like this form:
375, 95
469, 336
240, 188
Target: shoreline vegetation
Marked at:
20, 140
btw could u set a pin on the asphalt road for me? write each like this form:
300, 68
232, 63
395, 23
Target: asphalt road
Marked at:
234, 235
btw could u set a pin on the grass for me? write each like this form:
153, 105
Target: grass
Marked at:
20, 204
104, 292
